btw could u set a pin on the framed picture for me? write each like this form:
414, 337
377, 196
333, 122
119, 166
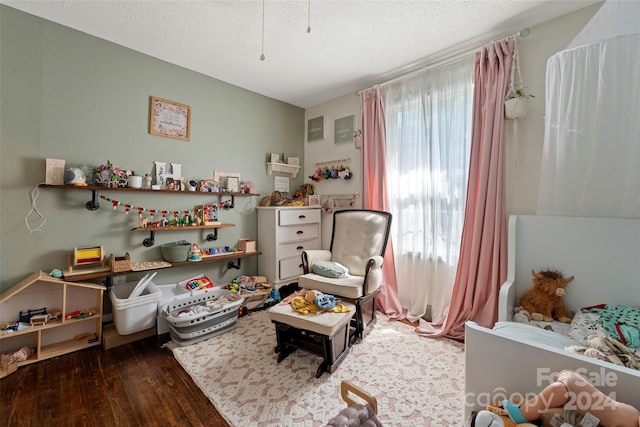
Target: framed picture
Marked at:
209, 186
233, 184
170, 119
222, 176
315, 129
275, 158
314, 200
293, 161
343, 129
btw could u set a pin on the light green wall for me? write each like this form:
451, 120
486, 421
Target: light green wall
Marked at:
68, 95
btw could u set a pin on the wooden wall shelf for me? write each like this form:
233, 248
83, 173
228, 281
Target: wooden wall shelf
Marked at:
79, 277
93, 204
150, 241
283, 168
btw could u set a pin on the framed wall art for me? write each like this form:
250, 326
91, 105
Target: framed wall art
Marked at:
315, 128
343, 129
170, 119
233, 184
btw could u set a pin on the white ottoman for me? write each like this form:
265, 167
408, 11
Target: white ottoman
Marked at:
326, 334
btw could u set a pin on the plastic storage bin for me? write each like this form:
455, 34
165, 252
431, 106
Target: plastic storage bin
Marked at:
131, 315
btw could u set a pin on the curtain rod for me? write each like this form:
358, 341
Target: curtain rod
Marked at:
454, 57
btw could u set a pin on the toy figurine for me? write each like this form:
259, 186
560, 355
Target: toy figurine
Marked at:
195, 253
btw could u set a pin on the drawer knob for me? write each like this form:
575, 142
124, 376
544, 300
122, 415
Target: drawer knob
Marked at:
300, 248
301, 217
299, 232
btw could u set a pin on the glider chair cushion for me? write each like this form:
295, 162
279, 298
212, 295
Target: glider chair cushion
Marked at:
358, 242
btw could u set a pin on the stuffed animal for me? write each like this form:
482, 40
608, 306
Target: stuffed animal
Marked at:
495, 417
325, 301
544, 301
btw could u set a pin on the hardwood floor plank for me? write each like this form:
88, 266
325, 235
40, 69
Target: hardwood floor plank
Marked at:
136, 384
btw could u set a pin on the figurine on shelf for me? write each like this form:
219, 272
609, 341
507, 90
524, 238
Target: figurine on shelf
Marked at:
195, 253
147, 181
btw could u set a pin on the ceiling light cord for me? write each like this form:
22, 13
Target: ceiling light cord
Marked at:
262, 57
309, 18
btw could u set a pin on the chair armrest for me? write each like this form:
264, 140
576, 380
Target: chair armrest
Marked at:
373, 274
312, 256
377, 261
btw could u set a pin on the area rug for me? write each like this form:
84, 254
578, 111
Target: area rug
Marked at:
417, 381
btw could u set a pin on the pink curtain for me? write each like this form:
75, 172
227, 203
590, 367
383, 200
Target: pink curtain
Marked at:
483, 253
372, 144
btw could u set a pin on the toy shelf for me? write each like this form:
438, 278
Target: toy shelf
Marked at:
93, 204
220, 257
55, 337
150, 241
205, 259
63, 347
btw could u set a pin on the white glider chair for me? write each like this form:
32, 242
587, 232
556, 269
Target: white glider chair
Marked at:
352, 267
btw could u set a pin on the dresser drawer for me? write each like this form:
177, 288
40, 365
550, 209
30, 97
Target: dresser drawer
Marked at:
286, 250
299, 216
290, 267
294, 233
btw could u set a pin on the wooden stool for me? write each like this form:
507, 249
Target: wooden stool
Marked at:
326, 334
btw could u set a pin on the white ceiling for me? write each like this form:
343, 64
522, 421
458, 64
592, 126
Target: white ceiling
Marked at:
352, 44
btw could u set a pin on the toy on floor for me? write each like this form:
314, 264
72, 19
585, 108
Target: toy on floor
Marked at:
545, 300
570, 397
356, 414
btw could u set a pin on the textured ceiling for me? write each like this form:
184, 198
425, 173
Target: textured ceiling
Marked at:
352, 44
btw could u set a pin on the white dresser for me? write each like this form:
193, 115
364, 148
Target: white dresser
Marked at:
283, 234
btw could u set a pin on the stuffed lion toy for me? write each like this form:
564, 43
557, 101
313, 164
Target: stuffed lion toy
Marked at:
544, 301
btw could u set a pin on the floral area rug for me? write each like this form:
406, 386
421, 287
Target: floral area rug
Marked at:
417, 381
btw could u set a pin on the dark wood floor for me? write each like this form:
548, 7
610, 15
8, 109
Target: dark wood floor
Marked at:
137, 384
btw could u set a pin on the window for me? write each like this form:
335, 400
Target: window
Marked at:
428, 119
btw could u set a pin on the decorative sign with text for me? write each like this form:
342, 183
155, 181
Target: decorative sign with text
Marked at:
170, 119
343, 129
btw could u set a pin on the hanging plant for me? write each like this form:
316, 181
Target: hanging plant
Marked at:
516, 106
516, 102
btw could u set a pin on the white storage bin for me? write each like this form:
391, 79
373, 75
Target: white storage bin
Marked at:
131, 315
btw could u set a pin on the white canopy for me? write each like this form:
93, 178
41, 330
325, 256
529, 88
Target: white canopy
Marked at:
591, 156
614, 18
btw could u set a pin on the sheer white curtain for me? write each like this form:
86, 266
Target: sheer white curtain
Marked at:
428, 120
591, 156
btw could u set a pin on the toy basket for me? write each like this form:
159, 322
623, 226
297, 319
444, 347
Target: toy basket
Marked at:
205, 314
118, 264
209, 304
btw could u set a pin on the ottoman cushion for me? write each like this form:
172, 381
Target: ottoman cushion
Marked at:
325, 323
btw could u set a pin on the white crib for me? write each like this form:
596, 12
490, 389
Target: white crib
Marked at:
604, 256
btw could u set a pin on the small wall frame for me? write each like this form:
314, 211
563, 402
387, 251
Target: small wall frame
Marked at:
315, 128
233, 184
343, 129
170, 119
